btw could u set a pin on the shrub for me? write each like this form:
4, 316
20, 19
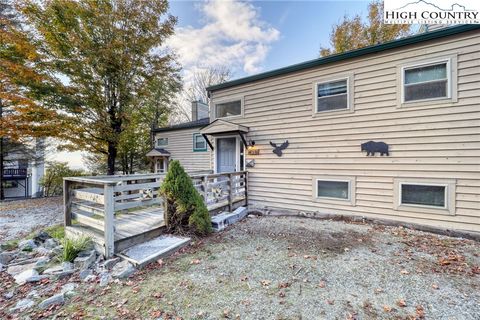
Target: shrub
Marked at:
184, 207
72, 247
52, 181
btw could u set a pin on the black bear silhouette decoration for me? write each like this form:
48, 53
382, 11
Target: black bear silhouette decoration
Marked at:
278, 150
371, 147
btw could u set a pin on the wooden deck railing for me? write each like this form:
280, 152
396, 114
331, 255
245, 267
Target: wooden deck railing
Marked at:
95, 202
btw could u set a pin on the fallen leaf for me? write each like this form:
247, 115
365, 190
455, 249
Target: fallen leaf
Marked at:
401, 303
434, 286
281, 294
195, 261
265, 283
321, 284
378, 290
160, 262
387, 308
331, 302
283, 285
404, 272
420, 312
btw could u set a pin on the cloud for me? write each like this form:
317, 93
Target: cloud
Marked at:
232, 34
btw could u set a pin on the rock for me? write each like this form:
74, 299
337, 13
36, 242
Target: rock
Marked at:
56, 299
30, 275
84, 260
2, 267
41, 237
67, 266
33, 294
90, 278
58, 250
42, 251
9, 295
105, 279
27, 245
53, 270
6, 257
50, 243
42, 262
64, 274
69, 287
84, 274
23, 305
108, 264
123, 269
17, 269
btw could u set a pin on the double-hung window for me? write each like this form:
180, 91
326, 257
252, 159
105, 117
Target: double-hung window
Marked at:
426, 82
332, 95
199, 142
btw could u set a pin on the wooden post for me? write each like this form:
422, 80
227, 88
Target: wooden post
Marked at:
109, 220
205, 188
246, 188
230, 193
67, 202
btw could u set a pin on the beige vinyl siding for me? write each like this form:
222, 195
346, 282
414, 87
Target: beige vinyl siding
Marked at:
437, 141
180, 146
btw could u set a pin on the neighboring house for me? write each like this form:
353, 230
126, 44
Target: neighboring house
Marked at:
419, 96
22, 173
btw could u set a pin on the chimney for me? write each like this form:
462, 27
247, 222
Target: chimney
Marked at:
199, 110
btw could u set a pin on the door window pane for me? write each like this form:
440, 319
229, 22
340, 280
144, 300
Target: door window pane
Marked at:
423, 195
333, 189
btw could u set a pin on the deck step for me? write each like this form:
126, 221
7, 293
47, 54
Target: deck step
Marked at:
160, 247
222, 220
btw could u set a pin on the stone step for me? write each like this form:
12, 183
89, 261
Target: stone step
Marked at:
160, 247
222, 220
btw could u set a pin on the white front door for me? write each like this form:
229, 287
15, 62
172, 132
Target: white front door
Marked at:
226, 155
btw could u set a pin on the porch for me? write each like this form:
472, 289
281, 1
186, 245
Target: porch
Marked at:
118, 212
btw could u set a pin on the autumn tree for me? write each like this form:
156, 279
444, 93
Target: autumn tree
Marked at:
108, 54
354, 33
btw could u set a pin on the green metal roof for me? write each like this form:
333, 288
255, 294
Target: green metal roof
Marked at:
445, 32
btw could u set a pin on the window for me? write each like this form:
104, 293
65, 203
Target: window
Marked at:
334, 189
162, 142
423, 195
425, 82
199, 142
332, 95
228, 109
436, 196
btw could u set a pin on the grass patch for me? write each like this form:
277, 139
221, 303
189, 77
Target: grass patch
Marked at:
57, 231
72, 247
9, 245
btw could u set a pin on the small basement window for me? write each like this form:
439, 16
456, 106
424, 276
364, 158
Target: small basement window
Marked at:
199, 142
426, 82
228, 109
162, 142
423, 195
333, 189
332, 95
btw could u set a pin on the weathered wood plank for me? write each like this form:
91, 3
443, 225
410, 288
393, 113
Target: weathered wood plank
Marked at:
84, 219
90, 209
137, 186
88, 196
133, 204
109, 221
67, 202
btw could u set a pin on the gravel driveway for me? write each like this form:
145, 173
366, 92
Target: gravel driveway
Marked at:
18, 218
297, 268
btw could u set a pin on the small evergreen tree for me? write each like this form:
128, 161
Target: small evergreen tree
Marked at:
184, 208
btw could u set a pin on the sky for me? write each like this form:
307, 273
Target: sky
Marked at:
247, 36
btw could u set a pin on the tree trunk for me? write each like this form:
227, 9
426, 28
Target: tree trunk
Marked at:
112, 156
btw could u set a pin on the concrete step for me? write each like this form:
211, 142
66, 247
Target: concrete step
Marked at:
224, 219
160, 247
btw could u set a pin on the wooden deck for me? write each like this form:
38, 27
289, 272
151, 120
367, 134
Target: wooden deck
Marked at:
120, 211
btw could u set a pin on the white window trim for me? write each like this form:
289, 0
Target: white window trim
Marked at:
450, 196
226, 100
350, 105
163, 145
351, 189
451, 81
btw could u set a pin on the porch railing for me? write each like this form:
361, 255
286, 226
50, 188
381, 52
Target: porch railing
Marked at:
14, 172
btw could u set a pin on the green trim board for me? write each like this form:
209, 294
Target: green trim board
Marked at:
423, 37
195, 135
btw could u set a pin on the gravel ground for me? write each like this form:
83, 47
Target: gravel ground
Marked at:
18, 218
297, 268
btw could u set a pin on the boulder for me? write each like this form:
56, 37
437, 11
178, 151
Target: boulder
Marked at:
9, 295
90, 278
41, 237
23, 305
108, 264
84, 260
27, 245
53, 270
30, 275
6, 257
50, 243
123, 270
67, 266
33, 294
84, 274
68, 287
56, 299
19, 268
105, 279
42, 262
